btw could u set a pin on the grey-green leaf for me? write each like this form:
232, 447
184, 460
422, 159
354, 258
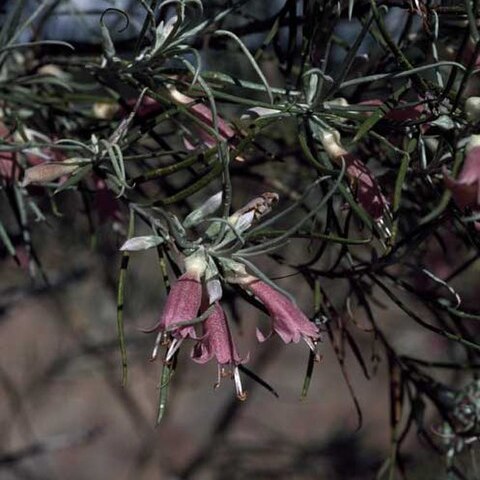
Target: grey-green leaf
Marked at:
136, 244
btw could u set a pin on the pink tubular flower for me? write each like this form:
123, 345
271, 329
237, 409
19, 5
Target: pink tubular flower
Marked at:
467, 53
362, 180
217, 342
106, 204
203, 113
9, 167
466, 188
288, 321
149, 106
399, 113
182, 305
365, 186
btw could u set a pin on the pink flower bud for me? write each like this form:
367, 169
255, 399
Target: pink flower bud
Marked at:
10, 168
203, 113
366, 187
47, 172
472, 109
148, 106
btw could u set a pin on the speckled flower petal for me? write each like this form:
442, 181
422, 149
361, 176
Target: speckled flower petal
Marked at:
288, 321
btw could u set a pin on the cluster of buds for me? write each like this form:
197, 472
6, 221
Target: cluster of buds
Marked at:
193, 308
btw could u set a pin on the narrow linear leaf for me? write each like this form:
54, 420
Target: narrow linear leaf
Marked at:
120, 302
258, 379
308, 375
346, 377
317, 304
251, 60
168, 369
6, 240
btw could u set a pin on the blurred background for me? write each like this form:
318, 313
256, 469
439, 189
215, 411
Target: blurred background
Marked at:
63, 411
65, 414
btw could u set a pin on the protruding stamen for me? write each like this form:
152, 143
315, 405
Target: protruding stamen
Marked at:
241, 394
158, 340
219, 376
313, 347
386, 232
310, 343
174, 346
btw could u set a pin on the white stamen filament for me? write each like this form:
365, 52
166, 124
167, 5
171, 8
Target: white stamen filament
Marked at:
174, 346
310, 343
158, 340
384, 228
238, 385
313, 347
219, 376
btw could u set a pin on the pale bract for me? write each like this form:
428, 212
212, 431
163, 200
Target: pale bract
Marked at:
146, 242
